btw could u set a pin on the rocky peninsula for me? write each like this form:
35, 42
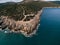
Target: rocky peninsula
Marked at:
27, 28
22, 17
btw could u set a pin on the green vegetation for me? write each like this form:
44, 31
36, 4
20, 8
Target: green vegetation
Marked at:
18, 10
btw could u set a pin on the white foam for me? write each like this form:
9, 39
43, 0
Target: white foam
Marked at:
5, 31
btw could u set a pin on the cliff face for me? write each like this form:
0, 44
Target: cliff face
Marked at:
25, 27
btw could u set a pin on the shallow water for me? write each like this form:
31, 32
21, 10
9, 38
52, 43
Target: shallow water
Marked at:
48, 32
17, 39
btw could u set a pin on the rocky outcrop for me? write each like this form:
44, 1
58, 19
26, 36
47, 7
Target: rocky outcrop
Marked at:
27, 28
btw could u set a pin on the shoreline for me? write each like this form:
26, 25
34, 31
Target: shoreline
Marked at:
31, 25
36, 28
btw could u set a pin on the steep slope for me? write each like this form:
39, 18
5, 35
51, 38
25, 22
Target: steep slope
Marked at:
19, 9
22, 17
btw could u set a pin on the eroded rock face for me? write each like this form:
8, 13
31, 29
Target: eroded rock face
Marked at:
25, 27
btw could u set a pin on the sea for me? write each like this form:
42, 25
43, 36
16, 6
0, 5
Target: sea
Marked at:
48, 33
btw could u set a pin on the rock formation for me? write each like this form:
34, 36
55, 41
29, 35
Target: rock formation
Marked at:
25, 27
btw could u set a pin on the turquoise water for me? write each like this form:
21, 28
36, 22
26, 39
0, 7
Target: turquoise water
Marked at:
48, 32
17, 39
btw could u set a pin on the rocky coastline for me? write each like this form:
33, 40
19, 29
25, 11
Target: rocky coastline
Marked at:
27, 28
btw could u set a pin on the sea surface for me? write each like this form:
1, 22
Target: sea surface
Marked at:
48, 32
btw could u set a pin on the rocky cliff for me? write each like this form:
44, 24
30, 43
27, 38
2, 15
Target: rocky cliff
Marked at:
21, 17
25, 27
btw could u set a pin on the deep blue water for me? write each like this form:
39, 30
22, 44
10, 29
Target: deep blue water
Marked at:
50, 26
48, 32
